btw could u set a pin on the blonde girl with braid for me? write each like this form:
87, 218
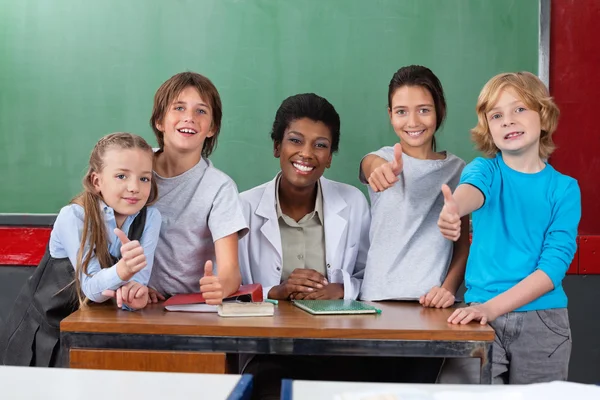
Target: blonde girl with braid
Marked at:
101, 246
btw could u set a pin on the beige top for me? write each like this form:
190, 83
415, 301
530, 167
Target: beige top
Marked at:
302, 242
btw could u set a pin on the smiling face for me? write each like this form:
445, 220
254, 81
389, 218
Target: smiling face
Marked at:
515, 128
304, 153
413, 116
187, 122
124, 183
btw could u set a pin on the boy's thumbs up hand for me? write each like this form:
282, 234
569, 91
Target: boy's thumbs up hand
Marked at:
386, 175
449, 221
210, 286
449, 201
208, 268
397, 163
132, 259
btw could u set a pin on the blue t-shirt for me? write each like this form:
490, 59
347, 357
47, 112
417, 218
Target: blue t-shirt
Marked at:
527, 222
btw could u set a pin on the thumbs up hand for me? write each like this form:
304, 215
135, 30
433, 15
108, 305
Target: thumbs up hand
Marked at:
449, 221
386, 175
397, 163
132, 259
210, 286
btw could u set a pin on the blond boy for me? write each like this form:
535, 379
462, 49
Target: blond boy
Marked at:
525, 218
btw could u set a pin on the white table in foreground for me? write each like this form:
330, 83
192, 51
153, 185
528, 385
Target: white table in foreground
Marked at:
76, 384
323, 390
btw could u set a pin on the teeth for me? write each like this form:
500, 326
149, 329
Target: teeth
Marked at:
416, 133
514, 134
303, 168
185, 130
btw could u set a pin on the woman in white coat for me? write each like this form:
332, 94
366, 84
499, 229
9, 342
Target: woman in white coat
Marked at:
308, 237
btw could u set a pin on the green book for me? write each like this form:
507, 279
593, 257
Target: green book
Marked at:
328, 307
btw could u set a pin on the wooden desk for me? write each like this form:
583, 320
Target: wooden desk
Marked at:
402, 329
75, 384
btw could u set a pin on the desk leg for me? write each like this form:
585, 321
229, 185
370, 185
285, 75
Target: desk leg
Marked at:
63, 353
485, 371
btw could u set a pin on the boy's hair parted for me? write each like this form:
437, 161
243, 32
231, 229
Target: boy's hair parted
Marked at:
306, 105
94, 240
533, 93
167, 93
417, 75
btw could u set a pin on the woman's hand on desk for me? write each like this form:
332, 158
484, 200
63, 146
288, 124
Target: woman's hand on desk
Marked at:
301, 280
333, 291
438, 297
210, 286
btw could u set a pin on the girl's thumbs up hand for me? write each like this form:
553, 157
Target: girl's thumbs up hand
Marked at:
386, 174
132, 259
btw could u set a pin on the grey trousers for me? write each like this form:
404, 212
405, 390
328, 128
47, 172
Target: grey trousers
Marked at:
529, 347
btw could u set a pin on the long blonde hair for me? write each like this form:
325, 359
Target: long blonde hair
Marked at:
94, 230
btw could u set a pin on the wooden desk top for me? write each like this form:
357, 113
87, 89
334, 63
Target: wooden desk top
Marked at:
398, 321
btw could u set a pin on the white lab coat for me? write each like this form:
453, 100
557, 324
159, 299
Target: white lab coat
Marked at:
347, 220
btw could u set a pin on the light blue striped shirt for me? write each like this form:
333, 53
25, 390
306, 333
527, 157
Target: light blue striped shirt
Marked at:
66, 238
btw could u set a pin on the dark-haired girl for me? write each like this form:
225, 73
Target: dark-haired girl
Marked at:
409, 259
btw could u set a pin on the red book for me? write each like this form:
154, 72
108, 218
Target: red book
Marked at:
247, 293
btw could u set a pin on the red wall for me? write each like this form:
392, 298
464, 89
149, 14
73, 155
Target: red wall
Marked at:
22, 246
575, 85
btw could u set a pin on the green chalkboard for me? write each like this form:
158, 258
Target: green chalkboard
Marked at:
72, 71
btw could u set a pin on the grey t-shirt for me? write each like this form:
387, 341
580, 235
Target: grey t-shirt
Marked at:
408, 254
198, 207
